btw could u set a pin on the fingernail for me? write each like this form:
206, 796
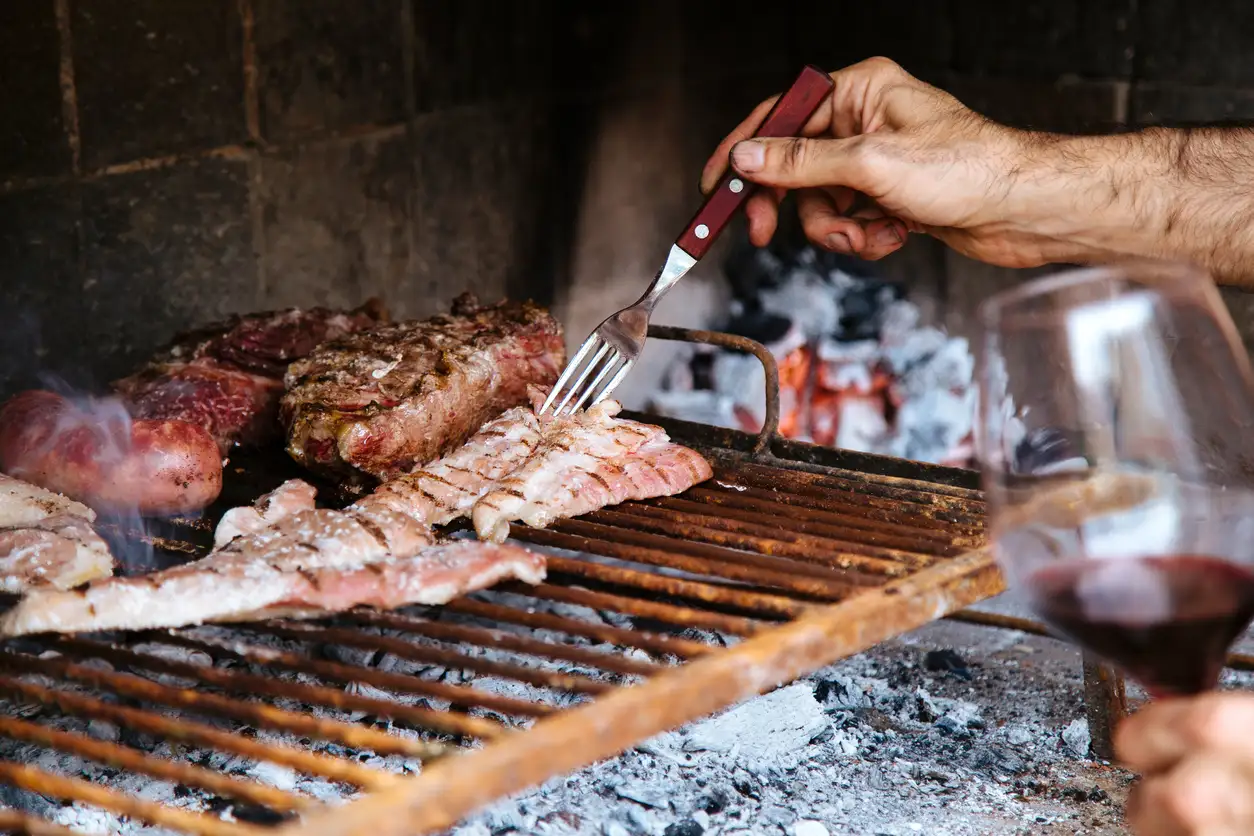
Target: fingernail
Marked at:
749, 156
839, 242
889, 236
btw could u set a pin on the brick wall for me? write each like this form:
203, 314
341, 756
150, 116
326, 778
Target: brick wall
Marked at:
163, 162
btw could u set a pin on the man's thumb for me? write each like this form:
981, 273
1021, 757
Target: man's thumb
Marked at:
796, 163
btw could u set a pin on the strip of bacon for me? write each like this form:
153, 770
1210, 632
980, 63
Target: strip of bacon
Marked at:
586, 462
449, 487
436, 575
249, 574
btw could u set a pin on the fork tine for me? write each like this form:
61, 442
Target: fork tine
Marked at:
577, 386
613, 384
568, 371
611, 365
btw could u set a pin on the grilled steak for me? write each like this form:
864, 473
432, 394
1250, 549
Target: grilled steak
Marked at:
46, 540
585, 462
228, 377
383, 401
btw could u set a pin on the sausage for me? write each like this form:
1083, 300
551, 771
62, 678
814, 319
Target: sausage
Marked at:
107, 461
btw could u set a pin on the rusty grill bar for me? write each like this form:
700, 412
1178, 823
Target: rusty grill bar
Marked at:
755, 557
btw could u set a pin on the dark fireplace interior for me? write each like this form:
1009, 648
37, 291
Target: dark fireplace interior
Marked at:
165, 163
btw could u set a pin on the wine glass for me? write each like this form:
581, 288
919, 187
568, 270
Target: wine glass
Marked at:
1116, 436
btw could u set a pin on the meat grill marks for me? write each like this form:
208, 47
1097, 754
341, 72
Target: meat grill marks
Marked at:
292, 496
304, 562
228, 377
449, 487
384, 401
251, 573
46, 540
586, 462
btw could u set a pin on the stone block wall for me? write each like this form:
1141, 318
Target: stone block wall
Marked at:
164, 162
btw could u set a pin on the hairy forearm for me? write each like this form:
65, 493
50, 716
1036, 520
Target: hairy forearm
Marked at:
1179, 194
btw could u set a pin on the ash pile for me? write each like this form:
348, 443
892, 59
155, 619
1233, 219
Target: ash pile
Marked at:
940, 732
859, 369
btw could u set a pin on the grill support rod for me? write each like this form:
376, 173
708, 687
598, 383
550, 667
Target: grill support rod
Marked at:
451, 789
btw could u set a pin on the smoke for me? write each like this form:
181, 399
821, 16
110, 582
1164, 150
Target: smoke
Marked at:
101, 427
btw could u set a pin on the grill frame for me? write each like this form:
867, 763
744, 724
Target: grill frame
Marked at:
707, 559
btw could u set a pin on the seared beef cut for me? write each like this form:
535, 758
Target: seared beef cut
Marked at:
387, 400
228, 377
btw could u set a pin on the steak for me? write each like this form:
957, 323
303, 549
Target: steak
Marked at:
228, 377
383, 401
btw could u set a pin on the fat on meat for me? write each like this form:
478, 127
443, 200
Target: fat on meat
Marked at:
584, 462
248, 574
292, 496
47, 540
449, 487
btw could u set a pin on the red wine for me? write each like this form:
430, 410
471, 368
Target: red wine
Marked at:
1167, 621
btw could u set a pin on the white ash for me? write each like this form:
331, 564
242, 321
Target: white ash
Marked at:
933, 374
877, 744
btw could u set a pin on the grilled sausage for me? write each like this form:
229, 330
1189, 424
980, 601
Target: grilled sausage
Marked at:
103, 459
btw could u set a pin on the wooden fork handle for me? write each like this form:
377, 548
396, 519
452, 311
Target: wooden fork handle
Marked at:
787, 118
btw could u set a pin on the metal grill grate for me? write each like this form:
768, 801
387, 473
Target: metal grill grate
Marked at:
646, 592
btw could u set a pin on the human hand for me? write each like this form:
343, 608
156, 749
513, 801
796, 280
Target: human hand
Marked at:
1196, 756
885, 155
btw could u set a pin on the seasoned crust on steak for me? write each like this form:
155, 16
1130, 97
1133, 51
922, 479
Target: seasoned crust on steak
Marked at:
389, 399
228, 376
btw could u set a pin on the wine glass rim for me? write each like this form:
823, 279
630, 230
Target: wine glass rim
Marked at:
1174, 273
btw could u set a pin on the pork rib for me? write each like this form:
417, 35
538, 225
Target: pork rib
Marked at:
385, 401
585, 462
449, 487
46, 540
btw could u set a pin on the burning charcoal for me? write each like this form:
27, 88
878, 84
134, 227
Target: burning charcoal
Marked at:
746, 784
1044, 450
1018, 736
766, 729
763, 326
1076, 738
1000, 761
714, 802
683, 827
950, 726
641, 821
362, 658
948, 661
253, 814
642, 794
102, 730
